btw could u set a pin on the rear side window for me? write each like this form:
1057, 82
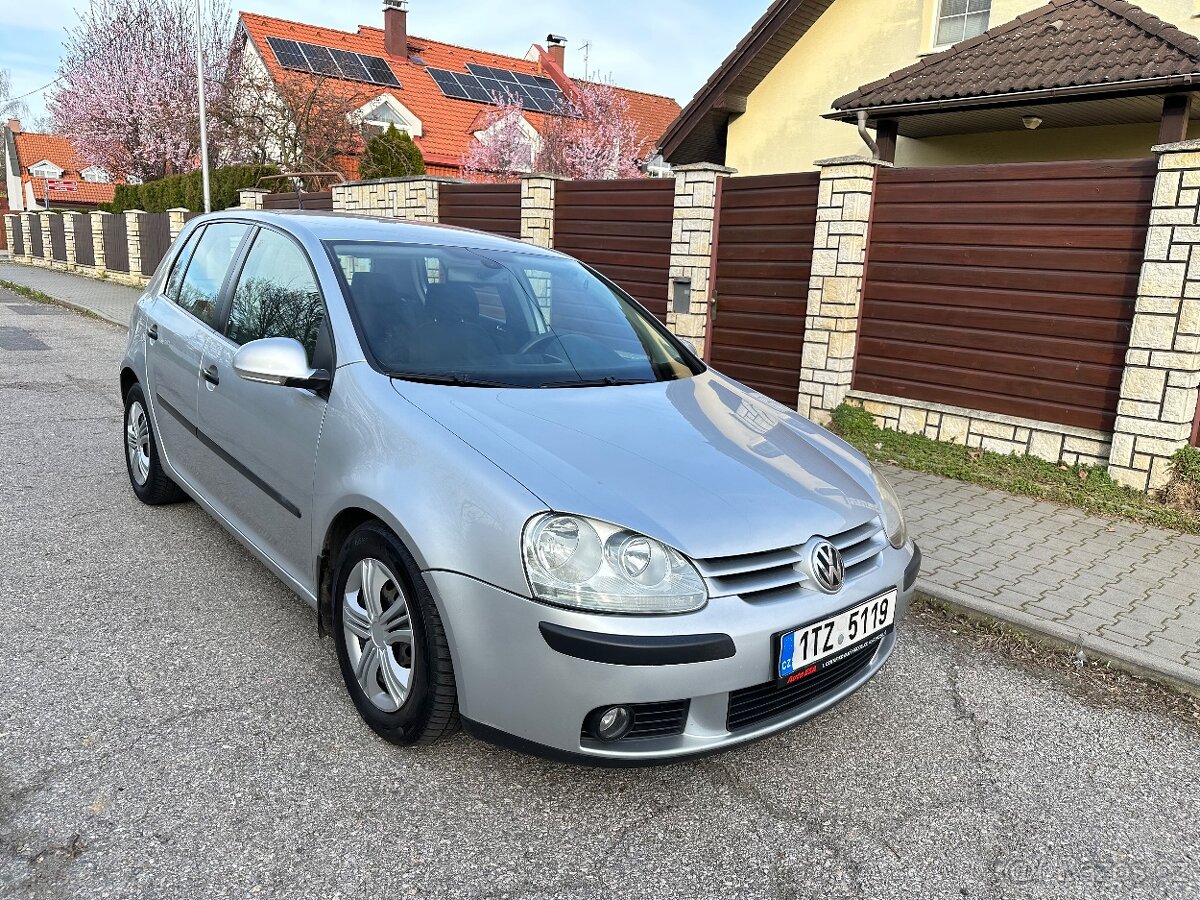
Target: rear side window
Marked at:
276, 295
175, 282
206, 270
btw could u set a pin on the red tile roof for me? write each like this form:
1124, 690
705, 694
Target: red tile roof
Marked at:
1064, 46
447, 122
33, 148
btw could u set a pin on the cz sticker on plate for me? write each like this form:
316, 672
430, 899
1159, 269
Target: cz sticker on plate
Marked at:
810, 647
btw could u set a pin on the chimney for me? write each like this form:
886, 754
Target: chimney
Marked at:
556, 47
395, 28
14, 125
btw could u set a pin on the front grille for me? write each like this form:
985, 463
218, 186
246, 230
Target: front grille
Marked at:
752, 705
652, 720
773, 573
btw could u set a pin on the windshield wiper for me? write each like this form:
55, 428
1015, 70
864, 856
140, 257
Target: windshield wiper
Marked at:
454, 378
606, 381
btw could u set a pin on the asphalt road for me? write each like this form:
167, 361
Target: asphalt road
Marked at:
172, 726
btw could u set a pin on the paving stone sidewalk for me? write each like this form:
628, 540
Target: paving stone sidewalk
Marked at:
107, 299
1120, 590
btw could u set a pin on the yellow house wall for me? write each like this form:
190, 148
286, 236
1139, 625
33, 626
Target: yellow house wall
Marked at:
859, 41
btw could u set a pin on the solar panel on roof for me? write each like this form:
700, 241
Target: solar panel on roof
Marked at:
378, 70
484, 84
331, 61
320, 60
350, 64
288, 53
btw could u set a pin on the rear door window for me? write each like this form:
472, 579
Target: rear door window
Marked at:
200, 289
175, 282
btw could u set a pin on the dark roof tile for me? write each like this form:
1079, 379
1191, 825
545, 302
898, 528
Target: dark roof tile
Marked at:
1065, 44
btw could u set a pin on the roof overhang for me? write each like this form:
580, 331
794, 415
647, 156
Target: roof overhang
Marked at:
698, 134
1101, 104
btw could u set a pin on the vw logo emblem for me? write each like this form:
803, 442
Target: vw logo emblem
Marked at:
827, 567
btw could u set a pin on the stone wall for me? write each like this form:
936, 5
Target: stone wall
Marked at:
1162, 367
537, 210
835, 285
986, 430
415, 198
692, 232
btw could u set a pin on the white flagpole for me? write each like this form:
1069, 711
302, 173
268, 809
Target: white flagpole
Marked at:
203, 118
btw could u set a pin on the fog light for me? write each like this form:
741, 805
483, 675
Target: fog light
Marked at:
611, 723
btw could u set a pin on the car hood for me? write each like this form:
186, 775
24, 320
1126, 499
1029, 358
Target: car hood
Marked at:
703, 464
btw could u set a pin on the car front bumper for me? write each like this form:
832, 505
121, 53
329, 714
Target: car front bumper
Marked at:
528, 674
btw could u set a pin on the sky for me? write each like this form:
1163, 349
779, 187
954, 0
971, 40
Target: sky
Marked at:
667, 47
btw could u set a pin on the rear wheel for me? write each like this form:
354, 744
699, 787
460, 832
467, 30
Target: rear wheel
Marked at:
150, 483
391, 646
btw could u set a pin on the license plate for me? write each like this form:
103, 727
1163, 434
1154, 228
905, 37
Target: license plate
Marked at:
808, 649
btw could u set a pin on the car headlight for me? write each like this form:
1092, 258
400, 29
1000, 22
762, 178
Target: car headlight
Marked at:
590, 565
893, 515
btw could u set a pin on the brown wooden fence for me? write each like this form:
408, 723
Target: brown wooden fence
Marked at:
36, 244
765, 229
155, 231
1005, 288
623, 229
85, 251
116, 243
485, 207
58, 238
299, 200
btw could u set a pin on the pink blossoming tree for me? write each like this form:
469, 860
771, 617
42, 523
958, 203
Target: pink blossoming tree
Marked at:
595, 138
127, 90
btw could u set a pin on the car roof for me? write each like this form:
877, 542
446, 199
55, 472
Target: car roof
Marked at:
332, 226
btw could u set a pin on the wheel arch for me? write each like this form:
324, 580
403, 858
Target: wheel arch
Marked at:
341, 526
128, 379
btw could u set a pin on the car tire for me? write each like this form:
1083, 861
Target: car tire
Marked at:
374, 577
150, 483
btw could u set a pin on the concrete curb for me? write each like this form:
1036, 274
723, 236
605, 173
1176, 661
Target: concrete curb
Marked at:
94, 313
1176, 675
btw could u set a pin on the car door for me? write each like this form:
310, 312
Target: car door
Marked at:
180, 325
261, 438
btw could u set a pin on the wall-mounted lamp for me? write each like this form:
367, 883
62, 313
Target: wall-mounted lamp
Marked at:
1031, 122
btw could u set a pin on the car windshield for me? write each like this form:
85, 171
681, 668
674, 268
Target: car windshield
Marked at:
501, 319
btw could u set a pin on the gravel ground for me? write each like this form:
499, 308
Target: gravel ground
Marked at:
172, 726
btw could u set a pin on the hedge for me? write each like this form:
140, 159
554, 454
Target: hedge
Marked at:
187, 190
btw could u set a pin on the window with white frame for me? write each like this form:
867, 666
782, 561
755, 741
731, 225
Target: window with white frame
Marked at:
96, 175
958, 20
386, 110
45, 169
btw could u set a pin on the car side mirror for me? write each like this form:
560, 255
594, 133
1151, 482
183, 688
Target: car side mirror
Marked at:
689, 343
278, 360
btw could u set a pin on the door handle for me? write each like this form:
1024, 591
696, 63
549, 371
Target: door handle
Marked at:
152, 331
211, 376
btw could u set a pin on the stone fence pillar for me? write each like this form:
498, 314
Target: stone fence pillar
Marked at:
692, 232
69, 219
537, 210
176, 220
1162, 366
414, 198
98, 238
251, 198
12, 222
133, 235
836, 284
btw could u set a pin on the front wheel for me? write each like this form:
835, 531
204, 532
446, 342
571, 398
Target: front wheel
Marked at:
150, 483
391, 646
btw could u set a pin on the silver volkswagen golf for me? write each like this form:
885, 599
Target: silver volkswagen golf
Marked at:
514, 499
